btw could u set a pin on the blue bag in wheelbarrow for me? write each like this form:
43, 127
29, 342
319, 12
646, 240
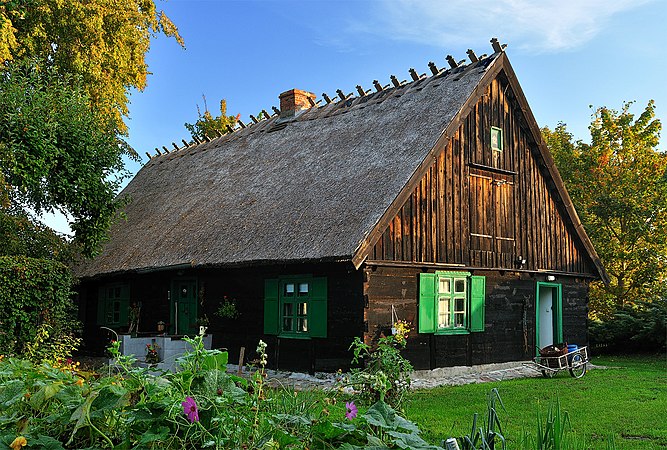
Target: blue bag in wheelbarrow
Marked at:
570, 349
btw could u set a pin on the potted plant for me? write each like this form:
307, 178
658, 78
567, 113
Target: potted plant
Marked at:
152, 356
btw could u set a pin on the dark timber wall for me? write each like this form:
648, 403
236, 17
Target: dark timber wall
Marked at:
477, 207
246, 285
509, 333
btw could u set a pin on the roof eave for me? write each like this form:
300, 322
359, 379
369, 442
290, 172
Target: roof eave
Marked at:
224, 265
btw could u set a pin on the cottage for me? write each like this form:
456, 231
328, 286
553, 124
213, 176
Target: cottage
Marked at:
432, 200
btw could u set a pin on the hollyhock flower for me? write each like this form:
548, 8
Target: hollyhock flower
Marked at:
351, 410
190, 409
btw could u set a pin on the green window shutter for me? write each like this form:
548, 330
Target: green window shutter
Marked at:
101, 306
477, 297
317, 315
427, 303
271, 306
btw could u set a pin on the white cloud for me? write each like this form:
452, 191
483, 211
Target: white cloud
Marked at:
532, 25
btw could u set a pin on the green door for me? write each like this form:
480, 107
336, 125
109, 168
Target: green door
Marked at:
184, 307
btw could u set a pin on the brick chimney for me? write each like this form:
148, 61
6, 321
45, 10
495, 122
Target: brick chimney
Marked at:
293, 101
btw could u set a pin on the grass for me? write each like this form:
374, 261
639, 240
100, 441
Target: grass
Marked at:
626, 401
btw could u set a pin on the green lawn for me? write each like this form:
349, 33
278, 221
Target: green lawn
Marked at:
627, 400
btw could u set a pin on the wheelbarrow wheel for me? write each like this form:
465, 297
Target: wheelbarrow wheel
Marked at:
577, 366
548, 373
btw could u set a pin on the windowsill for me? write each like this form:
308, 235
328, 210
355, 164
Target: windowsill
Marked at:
452, 331
294, 336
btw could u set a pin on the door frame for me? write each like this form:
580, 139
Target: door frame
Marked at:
557, 309
173, 296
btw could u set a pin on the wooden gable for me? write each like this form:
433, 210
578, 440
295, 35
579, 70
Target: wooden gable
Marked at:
479, 205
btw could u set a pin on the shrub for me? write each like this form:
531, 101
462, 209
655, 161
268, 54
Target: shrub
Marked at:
637, 328
36, 310
386, 375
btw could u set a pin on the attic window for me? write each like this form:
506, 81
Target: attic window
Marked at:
496, 139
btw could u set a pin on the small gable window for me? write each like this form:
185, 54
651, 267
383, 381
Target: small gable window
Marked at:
451, 302
295, 306
496, 139
113, 305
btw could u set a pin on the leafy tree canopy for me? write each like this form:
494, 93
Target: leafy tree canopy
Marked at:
102, 41
209, 126
618, 184
58, 153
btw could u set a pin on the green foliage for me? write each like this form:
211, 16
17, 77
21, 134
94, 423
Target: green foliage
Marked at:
618, 184
386, 375
102, 42
642, 327
36, 309
57, 153
227, 309
133, 409
484, 437
20, 235
208, 126
556, 433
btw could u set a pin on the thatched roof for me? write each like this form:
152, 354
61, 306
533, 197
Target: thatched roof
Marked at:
314, 187
312, 190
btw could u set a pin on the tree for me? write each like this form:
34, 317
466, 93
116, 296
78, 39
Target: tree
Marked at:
56, 152
104, 42
618, 184
209, 126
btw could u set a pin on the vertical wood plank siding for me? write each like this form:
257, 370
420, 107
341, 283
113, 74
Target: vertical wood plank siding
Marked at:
482, 208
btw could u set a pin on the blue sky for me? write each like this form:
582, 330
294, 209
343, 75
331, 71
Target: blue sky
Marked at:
567, 54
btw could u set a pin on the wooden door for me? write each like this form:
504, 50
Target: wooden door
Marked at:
492, 226
184, 307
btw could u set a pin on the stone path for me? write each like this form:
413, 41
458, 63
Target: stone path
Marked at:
421, 379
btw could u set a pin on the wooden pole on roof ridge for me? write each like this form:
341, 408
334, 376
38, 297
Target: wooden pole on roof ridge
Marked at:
497, 48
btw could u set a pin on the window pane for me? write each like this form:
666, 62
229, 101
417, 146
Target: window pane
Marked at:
444, 286
459, 319
302, 325
287, 324
496, 139
459, 305
302, 309
303, 289
443, 312
289, 289
459, 286
288, 309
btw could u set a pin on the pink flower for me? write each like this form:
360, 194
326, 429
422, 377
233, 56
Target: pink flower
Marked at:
190, 409
351, 410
